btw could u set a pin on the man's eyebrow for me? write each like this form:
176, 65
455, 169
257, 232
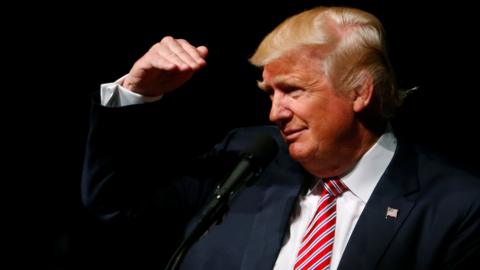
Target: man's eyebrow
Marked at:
278, 80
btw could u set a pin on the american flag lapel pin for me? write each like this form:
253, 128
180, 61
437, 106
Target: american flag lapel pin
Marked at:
391, 213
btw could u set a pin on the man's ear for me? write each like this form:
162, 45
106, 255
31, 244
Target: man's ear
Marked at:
362, 94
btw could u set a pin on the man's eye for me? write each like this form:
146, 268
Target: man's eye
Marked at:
294, 91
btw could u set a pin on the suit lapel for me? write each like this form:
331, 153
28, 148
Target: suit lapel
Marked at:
282, 185
375, 229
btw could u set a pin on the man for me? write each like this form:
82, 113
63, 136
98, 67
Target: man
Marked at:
342, 193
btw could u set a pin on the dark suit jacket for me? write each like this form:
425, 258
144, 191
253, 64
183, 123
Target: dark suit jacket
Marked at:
437, 227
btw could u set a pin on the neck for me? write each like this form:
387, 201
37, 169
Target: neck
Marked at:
349, 152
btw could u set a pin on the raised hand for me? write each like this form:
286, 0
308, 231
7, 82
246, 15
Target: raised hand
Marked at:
167, 65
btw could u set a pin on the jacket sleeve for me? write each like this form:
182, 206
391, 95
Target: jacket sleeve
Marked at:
139, 166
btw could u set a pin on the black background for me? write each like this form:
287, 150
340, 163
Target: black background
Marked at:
63, 52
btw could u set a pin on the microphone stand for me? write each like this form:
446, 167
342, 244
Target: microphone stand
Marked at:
214, 211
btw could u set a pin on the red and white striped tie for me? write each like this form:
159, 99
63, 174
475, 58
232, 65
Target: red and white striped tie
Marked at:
316, 248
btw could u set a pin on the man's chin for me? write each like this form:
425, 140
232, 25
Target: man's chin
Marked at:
297, 153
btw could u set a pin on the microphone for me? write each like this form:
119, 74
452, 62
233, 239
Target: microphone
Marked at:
253, 160
251, 165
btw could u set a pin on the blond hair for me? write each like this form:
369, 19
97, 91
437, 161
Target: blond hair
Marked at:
351, 42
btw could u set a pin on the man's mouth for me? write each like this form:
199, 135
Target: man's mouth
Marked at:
291, 135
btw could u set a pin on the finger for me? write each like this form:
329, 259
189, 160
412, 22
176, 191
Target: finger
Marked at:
165, 54
203, 51
163, 63
177, 49
174, 59
193, 52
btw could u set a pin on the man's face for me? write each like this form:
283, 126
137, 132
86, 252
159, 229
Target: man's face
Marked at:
315, 120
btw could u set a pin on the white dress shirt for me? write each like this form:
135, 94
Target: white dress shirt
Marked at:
115, 95
361, 181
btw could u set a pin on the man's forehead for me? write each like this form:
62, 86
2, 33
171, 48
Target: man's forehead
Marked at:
289, 69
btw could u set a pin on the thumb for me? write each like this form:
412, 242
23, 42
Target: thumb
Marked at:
203, 51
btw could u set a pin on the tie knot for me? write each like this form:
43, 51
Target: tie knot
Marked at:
334, 186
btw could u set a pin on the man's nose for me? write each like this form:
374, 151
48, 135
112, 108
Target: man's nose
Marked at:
279, 111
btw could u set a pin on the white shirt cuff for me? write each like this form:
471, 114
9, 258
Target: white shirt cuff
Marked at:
115, 95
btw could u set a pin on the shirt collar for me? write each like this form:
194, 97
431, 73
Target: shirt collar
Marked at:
363, 178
